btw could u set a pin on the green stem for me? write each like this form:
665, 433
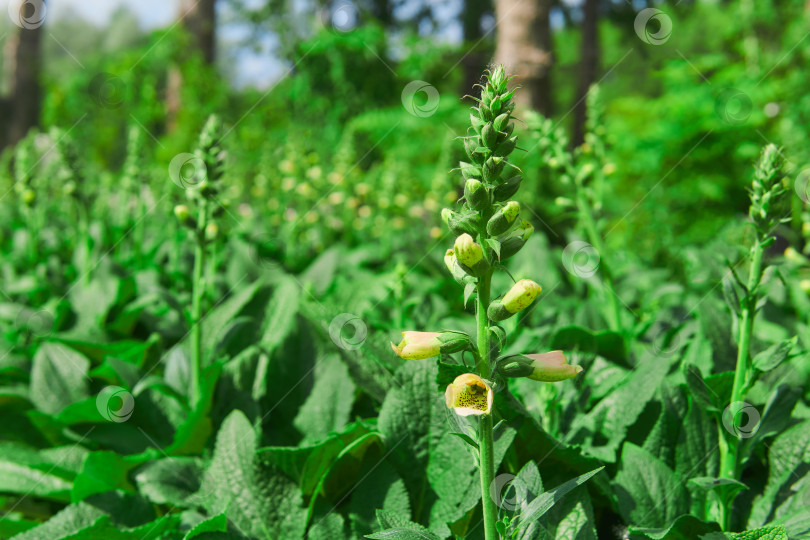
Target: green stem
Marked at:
485, 442
586, 217
729, 443
197, 292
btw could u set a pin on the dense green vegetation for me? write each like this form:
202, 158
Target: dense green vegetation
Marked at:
198, 312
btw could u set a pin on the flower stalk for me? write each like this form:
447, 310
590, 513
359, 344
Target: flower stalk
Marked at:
488, 232
767, 195
202, 193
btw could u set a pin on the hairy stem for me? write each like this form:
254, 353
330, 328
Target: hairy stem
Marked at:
197, 292
485, 442
729, 448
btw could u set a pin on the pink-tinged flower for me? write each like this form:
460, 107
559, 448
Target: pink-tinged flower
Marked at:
469, 395
552, 367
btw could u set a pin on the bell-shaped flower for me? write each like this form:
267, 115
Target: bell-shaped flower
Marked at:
469, 395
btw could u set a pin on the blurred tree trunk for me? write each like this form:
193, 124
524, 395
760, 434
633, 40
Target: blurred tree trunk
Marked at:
475, 59
588, 66
198, 18
22, 108
524, 46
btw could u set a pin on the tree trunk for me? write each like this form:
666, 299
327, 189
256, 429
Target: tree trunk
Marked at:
25, 93
199, 19
524, 47
588, 66
478, 49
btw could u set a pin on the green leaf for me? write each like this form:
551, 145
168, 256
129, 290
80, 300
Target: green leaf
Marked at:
398, 528
685, 527
496, 246
214, 524
607, 344
727, 487
382, 489
777, 532
771, 357
101, 472
58, 377
788, 454
26, 480
170, 481
329, 404
279, 319
327, 528
260, 501
649, 493
544, 502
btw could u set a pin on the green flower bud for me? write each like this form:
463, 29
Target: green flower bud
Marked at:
516, 240
503, 219
507, 189
455, 268
211, 232
28, 197
467, 251
519, 297
184, 216
500, 122
460, 223
493, 168
476, 194
489, 135
506, 147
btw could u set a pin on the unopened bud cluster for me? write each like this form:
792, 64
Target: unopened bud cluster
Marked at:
206, 193
767, 193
